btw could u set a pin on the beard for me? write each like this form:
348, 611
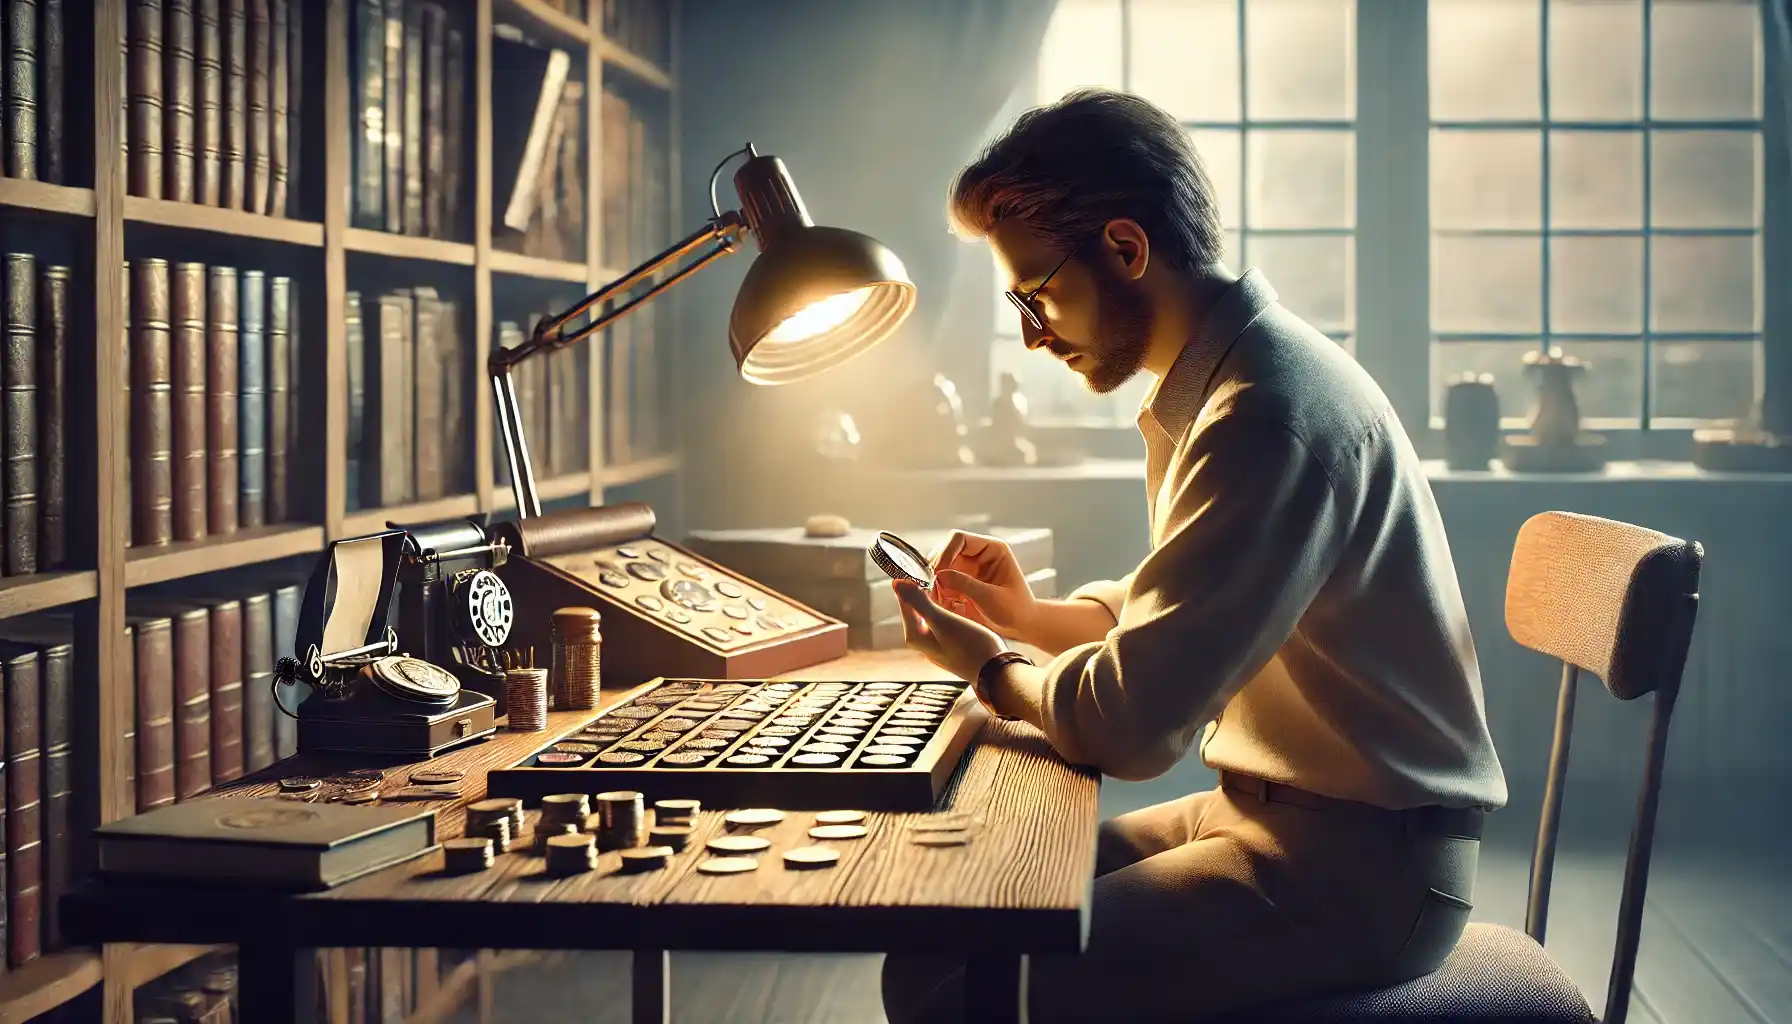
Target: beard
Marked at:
1122, 333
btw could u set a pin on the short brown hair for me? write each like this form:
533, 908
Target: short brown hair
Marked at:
1096, 155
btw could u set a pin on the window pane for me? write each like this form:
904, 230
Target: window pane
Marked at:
1706, 60
1503, 359
1301, 179
1486, 284
1185, 57
1595, 60
1610, 391
1484, 60
1596, 285
1221, 153
1705, 179
1081, 48
1312, 274
1486, 180
1704, 284
1704, 380
1300, 59
1596, 179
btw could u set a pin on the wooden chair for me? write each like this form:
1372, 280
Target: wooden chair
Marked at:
1607, 598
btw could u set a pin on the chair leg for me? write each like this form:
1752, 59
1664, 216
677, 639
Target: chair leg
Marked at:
1543, 860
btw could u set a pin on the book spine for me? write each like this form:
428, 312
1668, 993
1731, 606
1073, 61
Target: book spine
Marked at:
52, 93
130, 750
146, 99
279, 80
236, 104
56, 718
124, 90
454, 421
21, 88
355, 342
393, 159
155, 713
24, 809
52, 418
152, 414
370, 107
260, 126
286, 603
435, 123
454, 140
279, 418
258, 680
252, 409
192, 703
221, 401
428, 448
414, 153
208, 128
295, 63
125, 440
20, 380
227, 691
178, 94
188, 418
390, 392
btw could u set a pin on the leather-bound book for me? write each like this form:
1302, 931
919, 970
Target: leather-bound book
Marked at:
145, 90
286, 601
52, 92
454, 134
280, 422
191, 652
295, 80
124, 89
355, 342
18, 370
236, 104
24, 803
387, 465
252, 400
52, 418
435, 123
180, 101
457, 460
221, 345
414, 153
258, 681
428, 450
125, 440
227, 690
261, 138
572, 174
152, 413
51, 640
131, 746
394, 157
208, 85
368, 99
279, 81
188, 350
21, 88
154, 672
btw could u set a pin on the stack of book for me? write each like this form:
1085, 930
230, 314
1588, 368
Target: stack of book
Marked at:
409, 72
643, 27
538, 138
36, 96
553, 392
409, 398
37, 860
211, 101
33, 431
213, 363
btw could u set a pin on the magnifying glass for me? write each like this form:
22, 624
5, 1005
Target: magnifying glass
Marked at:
900, 560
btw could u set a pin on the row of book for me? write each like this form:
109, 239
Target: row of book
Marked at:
35, 91
635, 180
211, 103
34, 423
639, 26
538, 177
553, 393
213, 362
409, 398
408, 81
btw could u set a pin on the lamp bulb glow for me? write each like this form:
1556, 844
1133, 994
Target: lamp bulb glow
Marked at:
819, 317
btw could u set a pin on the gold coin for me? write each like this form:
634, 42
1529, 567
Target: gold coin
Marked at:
839, 817
738, 844
837, 832
811, 857
727, 865
754, 817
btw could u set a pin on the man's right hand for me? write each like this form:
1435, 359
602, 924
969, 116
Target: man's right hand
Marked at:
978, 577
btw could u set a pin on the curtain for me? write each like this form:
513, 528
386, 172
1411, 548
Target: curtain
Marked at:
873, 106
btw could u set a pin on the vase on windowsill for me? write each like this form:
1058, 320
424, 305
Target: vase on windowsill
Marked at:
1745, 447
1555, 442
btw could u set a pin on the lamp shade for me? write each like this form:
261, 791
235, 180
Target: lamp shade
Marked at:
814, 297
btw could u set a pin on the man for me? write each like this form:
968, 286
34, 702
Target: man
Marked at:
1298, 612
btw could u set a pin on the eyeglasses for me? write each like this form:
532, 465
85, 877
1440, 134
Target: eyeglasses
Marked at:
1030, 312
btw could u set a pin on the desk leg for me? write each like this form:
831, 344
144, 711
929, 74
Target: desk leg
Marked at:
276, 983
995, 990
652, 996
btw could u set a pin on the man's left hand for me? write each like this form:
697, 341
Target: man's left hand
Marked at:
949, 640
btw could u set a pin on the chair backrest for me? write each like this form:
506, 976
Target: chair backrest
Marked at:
1618, 601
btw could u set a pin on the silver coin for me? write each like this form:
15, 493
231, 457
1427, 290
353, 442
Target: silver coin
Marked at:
839, 817
818, 760
838, 832
727, 865
754, 817
897, 741
826, 748
738, 844
883, 760
893, 751
417, 674
811, 857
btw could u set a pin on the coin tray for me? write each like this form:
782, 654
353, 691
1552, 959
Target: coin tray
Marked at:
876, 746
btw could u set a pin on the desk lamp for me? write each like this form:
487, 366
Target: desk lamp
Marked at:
814, 298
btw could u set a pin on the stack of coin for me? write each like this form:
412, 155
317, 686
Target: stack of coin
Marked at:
466, 856
673, 836
577, 643
526, 699
565, 808
546, 830
495, 829
508, 809
646, 858
619, 820
570, 854
675, 812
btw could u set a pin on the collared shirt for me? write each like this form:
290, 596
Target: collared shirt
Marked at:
1299, 606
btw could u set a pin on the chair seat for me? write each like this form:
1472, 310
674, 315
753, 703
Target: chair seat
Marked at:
1494, 976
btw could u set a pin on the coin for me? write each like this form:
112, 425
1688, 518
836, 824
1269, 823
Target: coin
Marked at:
882, 760
635, 711
940, 838
753, 817
559, 759
677, 724
727, 865
417, 675
773, 742
621, 757
817, 760
895, 741
646, 858
839, 817
748, 760
902, 730
569, 748
738, 844
685, 757
644, 746
667, 810
425, 793
883, 686
674, 836
781, 730
811, 857
826, 748
703, 705
299, 784
437, 776
361, 796
838, 832
893, 751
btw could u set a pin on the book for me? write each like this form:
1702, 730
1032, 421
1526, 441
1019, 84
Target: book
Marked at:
24, 802
52, 92
355, 342
180, 102
221, 409
252, 400
261, 157
236, 104
18, 374
281, 388
152, 413
534, 78
267, 842
368, 97
187, 348
52, 418
52, 640
144, 87
152, 653
208, 126
284, 604
21, 89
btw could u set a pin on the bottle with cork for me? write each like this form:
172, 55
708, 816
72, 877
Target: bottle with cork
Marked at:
574, 677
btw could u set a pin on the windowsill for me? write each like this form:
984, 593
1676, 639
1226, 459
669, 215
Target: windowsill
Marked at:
1092, 470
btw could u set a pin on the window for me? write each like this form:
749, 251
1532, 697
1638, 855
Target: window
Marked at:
1267, 90
1596, 186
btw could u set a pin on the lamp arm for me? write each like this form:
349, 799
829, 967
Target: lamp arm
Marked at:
725, 230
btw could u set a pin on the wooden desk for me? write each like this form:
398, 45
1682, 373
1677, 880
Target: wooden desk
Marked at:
1020, 887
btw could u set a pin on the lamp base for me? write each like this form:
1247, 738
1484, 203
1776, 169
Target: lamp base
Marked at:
1741, 451
1525, 453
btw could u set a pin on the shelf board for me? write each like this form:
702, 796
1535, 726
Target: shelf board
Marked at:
44, 197
551, 489
219, 221
213, 554
46, 983
534, 266
538, 17
634, 472
623, 59
21, 595
374, 520
409, 247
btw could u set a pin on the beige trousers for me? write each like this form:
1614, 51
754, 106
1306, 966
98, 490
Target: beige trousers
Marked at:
1218, 901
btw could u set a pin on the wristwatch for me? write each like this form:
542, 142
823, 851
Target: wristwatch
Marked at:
986, 678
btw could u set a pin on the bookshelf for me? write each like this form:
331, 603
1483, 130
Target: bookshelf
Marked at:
322, 249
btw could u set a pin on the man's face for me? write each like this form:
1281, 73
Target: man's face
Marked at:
1097, 320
